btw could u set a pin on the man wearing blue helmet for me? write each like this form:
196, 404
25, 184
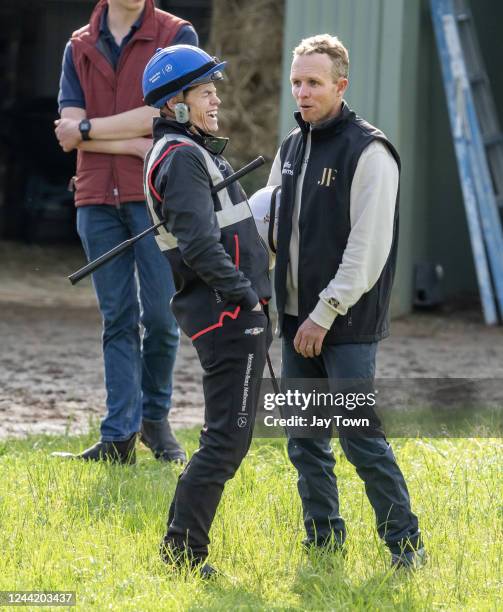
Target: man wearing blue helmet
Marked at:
220, 267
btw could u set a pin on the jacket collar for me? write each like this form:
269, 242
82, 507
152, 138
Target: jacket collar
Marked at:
145, 31
335, 124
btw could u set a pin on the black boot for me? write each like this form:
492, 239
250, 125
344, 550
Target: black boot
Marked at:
122, 452
157, 435
409, 559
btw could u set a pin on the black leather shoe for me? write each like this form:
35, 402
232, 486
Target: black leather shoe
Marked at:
159, 437
207, 572
409, 560
122, 452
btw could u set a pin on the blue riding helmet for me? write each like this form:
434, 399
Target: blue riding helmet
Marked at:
174, 69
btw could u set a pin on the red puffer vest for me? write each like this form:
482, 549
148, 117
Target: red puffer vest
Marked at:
103, 178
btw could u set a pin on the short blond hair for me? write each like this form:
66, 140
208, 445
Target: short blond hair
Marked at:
331, 46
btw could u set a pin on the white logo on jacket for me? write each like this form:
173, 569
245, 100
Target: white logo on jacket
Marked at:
287, 168
254, 331
327, 177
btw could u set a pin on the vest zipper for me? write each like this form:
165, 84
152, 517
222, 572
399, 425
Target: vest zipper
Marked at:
115, 189
301, 170
350, 318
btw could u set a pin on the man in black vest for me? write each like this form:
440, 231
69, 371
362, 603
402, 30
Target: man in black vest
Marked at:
335, 262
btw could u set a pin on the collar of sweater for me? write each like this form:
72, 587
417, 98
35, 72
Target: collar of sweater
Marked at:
328, 127
213, 144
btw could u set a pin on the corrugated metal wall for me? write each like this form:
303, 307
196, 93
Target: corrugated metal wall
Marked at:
372, 31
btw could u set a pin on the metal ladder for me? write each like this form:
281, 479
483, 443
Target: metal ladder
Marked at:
478, 142
492, 136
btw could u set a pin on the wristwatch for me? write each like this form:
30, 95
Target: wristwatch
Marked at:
333, 302
85, 128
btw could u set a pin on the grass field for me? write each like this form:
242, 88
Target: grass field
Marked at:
95, 529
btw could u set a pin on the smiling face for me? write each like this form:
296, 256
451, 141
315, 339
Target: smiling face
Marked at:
317, 94
203, 103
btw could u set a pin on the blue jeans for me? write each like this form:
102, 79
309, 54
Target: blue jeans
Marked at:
373, 457
138, 369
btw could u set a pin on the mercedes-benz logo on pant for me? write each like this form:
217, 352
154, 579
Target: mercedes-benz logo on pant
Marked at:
242, 421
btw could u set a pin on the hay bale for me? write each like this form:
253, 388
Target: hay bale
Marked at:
249, 35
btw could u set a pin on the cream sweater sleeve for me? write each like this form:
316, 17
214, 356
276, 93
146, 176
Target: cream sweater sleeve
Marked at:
372, 208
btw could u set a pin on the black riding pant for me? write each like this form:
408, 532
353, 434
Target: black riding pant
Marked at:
233, 358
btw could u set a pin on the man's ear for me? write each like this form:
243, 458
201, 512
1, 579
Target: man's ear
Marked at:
342, 85
170, 105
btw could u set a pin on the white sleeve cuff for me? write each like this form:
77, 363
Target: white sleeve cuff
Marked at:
323, 314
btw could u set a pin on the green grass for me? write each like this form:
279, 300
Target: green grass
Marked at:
95, 529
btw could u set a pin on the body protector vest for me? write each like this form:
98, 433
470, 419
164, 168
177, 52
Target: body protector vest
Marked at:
324, 224
197, 305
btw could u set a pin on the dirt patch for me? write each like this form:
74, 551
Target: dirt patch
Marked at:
51, 371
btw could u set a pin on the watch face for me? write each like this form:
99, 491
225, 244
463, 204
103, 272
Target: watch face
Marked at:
84, 127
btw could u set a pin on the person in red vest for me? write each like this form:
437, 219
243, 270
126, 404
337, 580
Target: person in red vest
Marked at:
104, 117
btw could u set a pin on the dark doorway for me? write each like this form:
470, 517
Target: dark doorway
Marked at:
35, 204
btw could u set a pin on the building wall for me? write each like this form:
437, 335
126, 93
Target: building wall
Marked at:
395, 82
55, 23
440, 210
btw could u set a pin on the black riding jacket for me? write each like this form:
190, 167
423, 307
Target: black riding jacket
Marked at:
219, 262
